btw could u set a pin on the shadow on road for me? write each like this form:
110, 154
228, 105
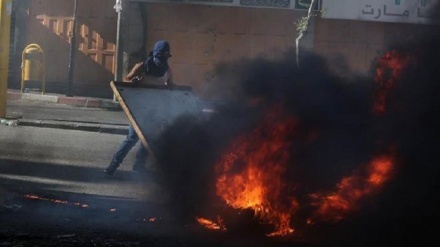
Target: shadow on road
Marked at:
58, 172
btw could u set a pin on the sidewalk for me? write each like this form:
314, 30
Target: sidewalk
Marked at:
59, 111
62, 99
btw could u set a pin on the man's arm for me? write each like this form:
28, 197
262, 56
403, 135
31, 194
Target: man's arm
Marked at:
135, 73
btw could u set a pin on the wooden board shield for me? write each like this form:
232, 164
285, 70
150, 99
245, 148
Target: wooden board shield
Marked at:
150, 109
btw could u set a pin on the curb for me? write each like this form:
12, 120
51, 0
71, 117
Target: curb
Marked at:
92, 127
59, 99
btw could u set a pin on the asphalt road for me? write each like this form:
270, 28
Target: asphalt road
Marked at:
52, 186
53, 193
46, 159
63, 168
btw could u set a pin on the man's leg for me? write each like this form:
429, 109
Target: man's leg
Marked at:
141, 159
130, 140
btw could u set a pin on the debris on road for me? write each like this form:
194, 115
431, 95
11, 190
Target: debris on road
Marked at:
8, 122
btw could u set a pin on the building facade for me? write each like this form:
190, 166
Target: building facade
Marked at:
202, 34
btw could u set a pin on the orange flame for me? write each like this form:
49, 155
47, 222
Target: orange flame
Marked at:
250, 174
389, 69
334, 206
208, 224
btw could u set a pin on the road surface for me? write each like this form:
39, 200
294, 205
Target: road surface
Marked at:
43, 159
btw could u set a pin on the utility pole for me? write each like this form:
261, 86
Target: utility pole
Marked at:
72, 52
5, 33
119, 53
121, 8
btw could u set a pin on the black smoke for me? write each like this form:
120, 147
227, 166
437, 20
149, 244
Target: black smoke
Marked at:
350, 134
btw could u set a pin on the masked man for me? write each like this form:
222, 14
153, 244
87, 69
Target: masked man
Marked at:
152, 71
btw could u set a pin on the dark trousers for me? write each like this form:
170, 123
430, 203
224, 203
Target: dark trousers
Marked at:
129, 142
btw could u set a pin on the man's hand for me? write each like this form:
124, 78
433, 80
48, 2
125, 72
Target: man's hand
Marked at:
137, 80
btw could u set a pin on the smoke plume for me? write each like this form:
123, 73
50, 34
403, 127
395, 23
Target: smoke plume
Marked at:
338, 132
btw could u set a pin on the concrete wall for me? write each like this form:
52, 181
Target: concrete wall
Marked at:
49, 24
350, 47
201, 36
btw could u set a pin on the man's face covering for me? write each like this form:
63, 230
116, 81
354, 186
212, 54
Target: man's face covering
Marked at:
160, 61
161, 53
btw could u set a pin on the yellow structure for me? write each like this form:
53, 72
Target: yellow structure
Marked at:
5, 29
33, 67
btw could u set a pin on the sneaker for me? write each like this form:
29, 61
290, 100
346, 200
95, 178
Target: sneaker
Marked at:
111, 169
